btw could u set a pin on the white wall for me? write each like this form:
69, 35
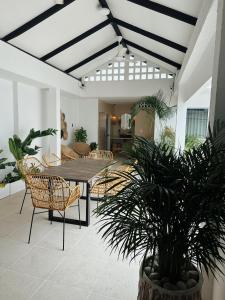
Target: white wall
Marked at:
70, 107
88, 118
120, 89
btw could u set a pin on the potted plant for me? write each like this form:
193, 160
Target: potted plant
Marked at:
93, 146
171, 210
80, 146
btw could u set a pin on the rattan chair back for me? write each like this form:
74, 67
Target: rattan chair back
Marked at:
51, 192
29, 165
101, 154
51, 160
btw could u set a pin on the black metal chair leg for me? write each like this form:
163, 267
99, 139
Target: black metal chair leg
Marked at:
64, 215
21, 208
79, 211
31, 225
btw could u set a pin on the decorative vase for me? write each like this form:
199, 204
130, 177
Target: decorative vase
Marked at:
151, 291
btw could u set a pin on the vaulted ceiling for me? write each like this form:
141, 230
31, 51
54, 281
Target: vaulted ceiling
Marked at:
75, 37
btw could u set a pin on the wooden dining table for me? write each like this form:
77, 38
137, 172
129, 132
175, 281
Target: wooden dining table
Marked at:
82, 170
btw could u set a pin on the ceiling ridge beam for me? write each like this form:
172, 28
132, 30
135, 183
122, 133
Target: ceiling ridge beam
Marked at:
36, 20
92, 57
110, 17
54, 67
156, 55
173, 13
75, 40
151, 35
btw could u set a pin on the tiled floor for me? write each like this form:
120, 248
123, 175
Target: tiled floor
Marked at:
42, 271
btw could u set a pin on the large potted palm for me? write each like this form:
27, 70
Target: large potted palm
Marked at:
171, 211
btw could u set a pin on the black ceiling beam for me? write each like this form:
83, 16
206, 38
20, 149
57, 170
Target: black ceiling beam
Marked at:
151, 35
54, 67
156, 55
110, 17
75, 40
92, 57
173, 13
38, 19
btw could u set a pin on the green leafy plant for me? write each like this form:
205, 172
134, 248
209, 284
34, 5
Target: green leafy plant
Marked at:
192, 142
20, 148
171, 209
4, 165
93, 146
152, 104
168, 137
80, 135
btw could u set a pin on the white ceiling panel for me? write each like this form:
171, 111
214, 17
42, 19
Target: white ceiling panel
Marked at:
84, 48
61, 27
14, 13
95, 64
152, 21
154, 46
190, 7
154, 60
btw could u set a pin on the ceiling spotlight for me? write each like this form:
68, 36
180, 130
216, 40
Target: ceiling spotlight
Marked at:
104, 11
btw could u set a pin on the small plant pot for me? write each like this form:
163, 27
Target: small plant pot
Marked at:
148, 290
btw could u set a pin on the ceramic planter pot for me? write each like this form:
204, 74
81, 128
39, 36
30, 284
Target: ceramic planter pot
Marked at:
150, 291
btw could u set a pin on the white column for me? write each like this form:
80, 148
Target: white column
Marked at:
51, 119
217, 108
180, 123
15, 108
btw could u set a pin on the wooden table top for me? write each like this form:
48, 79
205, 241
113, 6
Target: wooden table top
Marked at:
80, 170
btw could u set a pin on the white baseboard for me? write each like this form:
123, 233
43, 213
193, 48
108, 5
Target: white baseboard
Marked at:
4, 192
12, 188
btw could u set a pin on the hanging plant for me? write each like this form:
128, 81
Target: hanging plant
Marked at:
152, 105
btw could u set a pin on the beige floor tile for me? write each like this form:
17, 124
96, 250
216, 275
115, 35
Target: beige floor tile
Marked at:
17, 286
11, 251
54, 291
39, 262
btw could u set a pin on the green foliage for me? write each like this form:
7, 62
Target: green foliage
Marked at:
4, 165
168, 137
152, 104
172, 208
192, 142
80, 135
21, 148
93, 146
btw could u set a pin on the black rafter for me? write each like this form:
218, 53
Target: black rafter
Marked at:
173, 13
151, 35
156, 55
38, 19
92, 57
111, 19
54, 67
75, 40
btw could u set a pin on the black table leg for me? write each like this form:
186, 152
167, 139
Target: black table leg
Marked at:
73, 221
88, 204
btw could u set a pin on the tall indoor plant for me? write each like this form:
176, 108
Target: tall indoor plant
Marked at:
171, 210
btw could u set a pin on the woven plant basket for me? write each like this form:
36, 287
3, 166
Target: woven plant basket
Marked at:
150, 291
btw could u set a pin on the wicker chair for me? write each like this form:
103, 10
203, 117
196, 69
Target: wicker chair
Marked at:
51, 160
68, 154
100, 188
28, 166
52, 193
101, 154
